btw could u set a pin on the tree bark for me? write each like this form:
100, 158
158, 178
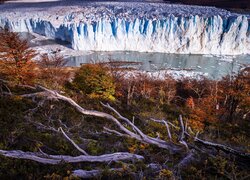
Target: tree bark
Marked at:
57, 159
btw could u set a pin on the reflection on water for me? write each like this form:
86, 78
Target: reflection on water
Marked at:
214, 66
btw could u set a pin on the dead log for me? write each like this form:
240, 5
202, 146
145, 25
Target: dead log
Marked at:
137, 134
58, 159
223, 148
86, 174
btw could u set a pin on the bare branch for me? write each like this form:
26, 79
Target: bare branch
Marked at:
87, 174
57, 159
182, 133
7, 88
27, 86
143, 138
115, 132
173, 125
182, 130
33, 94
166, 124
72, 142
55, 95
123, 118
224, 148
43, 127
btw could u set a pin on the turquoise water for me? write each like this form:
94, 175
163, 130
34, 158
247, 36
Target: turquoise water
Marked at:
215, 67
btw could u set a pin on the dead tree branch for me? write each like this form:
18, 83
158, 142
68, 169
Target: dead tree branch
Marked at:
166, 124
73, 143
141, 137
137, 134
144, 137
57, 159
182, 133
222, 147
115, 132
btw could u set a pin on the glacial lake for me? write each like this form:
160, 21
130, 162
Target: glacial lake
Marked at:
214, 66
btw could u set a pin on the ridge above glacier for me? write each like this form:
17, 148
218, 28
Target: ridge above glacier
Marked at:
85, 10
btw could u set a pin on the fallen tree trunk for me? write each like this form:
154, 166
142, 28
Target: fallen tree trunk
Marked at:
137, 134
222, 147
58, 159
197, 140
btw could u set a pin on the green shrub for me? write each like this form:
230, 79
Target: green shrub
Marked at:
95, 81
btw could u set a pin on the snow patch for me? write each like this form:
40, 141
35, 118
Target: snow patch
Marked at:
162, 74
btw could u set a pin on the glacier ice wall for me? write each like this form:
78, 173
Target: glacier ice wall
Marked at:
195, 34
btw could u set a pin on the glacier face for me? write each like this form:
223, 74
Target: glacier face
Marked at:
143, 28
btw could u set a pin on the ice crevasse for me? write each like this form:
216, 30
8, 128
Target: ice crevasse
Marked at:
194, 34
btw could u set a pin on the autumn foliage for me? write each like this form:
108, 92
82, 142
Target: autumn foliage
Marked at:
95, 81
16, 59
52, 70
204, 102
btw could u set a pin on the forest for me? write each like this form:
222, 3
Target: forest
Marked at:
95, 122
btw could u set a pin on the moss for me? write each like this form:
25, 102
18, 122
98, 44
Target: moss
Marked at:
165, 173
94, 148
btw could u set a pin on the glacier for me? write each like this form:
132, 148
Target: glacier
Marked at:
151, 27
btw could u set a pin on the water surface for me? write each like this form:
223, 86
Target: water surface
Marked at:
215, 66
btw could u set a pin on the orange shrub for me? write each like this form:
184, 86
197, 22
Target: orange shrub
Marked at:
16, 58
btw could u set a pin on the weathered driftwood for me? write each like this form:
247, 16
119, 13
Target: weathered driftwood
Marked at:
57, 159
